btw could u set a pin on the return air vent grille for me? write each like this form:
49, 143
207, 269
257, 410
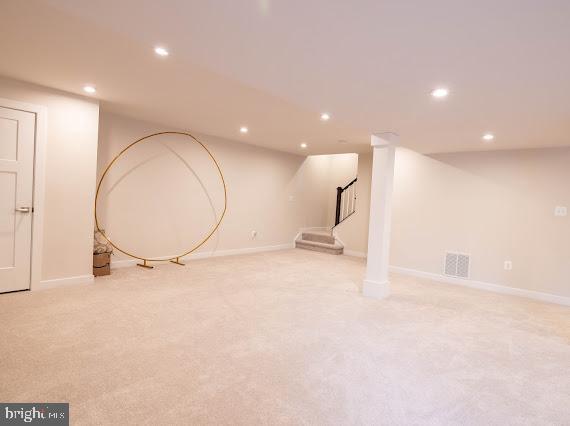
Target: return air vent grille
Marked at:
456, 265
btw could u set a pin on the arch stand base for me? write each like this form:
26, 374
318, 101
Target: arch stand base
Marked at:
145, 265
177, 262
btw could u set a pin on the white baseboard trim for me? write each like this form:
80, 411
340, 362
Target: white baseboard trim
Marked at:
61, 282
346, 252
125, 263
355, 253
480, 285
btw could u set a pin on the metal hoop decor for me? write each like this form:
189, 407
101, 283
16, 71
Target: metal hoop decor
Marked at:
174, 259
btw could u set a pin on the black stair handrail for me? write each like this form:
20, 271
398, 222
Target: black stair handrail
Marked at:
339, 191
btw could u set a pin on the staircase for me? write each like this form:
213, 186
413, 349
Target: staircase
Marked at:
323, 241
345, 202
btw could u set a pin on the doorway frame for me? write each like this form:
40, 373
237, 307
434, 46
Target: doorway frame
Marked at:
38, 191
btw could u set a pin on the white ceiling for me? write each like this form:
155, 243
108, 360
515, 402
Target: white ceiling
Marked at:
275, 65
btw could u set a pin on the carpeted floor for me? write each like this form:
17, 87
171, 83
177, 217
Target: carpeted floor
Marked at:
284, 338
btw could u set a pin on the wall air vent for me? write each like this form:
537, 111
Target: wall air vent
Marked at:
456, 265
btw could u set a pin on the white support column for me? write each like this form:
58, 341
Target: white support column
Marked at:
376, 283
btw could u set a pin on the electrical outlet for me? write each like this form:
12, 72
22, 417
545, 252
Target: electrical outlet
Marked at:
561, 211
508, 265
253, 235
291, 198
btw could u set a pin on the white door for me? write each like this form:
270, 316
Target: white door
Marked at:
17, 135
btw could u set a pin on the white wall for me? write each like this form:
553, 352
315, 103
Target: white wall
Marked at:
271, 192
71, 158
496, 206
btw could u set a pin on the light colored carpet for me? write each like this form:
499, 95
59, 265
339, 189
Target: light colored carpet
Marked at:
284, 338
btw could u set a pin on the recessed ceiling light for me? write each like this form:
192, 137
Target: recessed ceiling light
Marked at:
304, 145
243, 130
440, 93
161, 51
89, 89
488, 137
325, 116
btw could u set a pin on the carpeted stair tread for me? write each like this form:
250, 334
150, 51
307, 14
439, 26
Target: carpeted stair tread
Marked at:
319, 237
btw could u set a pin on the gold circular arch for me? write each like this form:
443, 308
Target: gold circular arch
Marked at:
197, 246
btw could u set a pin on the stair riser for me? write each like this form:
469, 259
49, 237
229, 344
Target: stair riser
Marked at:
318, 238
319, 249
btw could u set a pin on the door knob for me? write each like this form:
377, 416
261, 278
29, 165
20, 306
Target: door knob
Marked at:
24, 209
